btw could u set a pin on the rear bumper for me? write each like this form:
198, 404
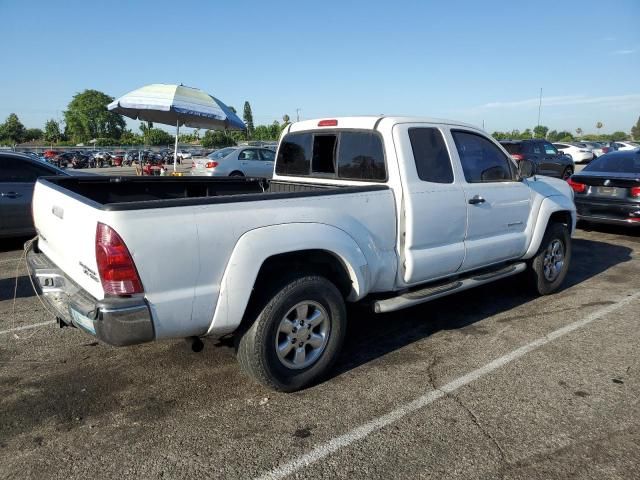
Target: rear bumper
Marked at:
116, 321
608, 212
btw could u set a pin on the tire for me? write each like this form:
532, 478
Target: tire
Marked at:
567, 173
546, 280
236, 174
310, 298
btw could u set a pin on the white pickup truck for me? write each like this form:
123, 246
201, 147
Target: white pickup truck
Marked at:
388, 211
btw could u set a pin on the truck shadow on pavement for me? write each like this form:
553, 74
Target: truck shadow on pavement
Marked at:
386, 333
8, 288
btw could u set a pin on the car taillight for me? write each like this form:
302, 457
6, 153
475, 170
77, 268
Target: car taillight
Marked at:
635, 192
577, 187
117, 271
517, 157
605, 149
211, 165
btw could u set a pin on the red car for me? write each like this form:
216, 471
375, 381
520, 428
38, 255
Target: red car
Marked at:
117, 159
48, 154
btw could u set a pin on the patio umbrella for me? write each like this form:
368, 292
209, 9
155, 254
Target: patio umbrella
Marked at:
177, 105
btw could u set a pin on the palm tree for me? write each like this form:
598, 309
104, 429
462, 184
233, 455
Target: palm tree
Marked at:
599, 126
579, 132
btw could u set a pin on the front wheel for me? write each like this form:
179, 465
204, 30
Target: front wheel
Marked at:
297, 335
549, 267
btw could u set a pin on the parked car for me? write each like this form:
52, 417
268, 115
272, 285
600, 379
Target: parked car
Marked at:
547, 158
117, 159
625, 145
597, 148
373, 210
49, 154
62, 159
236, 162
79, 160
608, 189
577, 154
18, 174
184, 155
197, 152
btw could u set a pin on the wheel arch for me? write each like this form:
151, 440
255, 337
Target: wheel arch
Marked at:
559, 209
307, 247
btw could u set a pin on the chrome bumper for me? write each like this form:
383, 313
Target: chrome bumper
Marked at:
116, 321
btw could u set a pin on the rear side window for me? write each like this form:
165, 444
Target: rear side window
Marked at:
360, 157
431, 156
294, 156
481, 160
15, 170
344, 155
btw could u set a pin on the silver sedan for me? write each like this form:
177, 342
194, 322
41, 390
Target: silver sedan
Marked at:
243, 161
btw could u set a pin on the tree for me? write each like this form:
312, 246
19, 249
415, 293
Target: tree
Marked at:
615, 136
526, 134
87, 117
564, 136
247, 116
33, 134
217, 139
578, 132
599, 126
635, 130
552, 136
287, 120
12, 129
157, 136
52, 132
540, 131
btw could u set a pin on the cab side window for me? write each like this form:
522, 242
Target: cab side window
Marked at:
430, 155
481, 160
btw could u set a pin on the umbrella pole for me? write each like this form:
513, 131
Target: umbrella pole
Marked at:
175, 151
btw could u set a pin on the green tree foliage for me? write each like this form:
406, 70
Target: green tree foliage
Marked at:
12, 130
216, 139
52, 132
130, 138
33, 134
635, 130
157, 136
540, 131
615, 136
247, 116
87, 117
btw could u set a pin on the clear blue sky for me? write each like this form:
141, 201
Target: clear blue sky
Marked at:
466, 60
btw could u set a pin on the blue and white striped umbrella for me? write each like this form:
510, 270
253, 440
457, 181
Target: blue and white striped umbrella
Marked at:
177, 105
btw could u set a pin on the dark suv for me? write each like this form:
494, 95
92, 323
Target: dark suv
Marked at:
547, 158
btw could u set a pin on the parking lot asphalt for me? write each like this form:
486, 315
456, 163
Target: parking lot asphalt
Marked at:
489, 383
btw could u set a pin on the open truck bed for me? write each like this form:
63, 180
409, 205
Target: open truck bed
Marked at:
119, 193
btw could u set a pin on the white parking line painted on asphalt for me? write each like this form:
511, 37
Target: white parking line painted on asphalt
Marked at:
376, 424
27, 327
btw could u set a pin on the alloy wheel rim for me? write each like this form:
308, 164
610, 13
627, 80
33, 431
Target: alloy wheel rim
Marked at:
302, 335
553, 261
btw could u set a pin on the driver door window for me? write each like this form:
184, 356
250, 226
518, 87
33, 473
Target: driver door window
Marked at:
481, 160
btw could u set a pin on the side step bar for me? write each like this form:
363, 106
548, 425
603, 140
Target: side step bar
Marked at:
416, 297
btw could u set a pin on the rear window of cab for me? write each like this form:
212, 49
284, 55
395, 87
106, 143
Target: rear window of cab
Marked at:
346, 155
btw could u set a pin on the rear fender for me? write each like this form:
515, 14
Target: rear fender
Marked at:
256, 246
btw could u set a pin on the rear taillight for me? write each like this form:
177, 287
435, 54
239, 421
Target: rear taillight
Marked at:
605, 149
635, 192
211, 165
577, 187
117, 271
517, 157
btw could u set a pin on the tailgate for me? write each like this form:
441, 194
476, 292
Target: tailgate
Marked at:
66, 225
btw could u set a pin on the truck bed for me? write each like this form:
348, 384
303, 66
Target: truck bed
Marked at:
117, 193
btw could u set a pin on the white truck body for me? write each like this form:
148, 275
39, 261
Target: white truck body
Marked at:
199, 261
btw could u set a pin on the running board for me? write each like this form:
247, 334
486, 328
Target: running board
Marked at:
416, 297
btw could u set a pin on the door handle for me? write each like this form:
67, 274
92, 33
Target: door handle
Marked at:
476, 199
10, 194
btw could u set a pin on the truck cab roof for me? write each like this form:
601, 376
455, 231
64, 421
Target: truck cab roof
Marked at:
369, 122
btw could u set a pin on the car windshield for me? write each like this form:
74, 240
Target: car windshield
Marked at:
220, 153
615, 162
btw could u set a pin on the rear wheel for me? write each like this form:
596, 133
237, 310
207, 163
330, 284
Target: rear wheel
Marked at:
549, 267
236, 174
567, 173
297, 334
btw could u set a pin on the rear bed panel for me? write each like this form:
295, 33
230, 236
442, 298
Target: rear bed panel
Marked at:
67, 230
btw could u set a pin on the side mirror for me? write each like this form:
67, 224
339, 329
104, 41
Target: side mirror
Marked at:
526, 169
